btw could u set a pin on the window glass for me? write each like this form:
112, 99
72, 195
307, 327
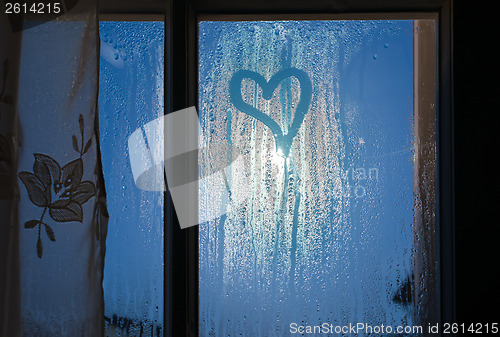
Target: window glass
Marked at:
131, 95
323, 115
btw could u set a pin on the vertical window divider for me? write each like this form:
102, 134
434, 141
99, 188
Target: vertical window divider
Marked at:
181, 258
446, 162
168, 216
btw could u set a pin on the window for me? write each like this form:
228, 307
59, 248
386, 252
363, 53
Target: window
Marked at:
339, 203
130, 96
401, 189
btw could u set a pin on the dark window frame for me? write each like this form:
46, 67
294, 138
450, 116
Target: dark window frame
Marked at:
181, 90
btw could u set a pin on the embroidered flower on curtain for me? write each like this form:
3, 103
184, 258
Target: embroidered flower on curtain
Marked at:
60, 191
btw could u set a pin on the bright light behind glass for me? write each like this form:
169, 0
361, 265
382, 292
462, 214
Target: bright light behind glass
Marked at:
317, 240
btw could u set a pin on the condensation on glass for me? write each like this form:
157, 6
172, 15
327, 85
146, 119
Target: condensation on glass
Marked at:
131, 94
339, 223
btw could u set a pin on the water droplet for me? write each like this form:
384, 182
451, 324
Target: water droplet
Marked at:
375, 56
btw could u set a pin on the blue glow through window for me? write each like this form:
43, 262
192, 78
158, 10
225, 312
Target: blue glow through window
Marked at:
131, 95
326, 233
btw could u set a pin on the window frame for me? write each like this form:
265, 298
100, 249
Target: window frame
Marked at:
181, 91
199, 10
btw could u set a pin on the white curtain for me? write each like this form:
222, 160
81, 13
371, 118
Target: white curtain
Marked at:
53, 209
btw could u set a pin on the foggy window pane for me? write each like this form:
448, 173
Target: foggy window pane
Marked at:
130, 96
339, 179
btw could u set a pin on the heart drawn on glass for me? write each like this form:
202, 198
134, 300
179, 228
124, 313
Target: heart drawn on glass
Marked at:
283, 141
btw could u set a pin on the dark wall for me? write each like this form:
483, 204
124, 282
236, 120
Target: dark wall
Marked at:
477, 174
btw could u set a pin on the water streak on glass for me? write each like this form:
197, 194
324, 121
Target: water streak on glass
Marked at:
326, 234
131, 95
